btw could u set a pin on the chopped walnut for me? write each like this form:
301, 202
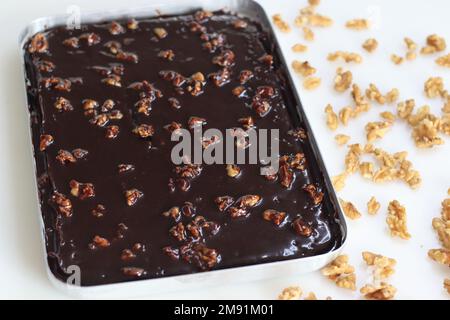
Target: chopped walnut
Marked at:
303, 68
64, 204
62, 104
396, 220
311, 83
341, 272
81, 190
352, 158
405, 108
99, 242
45, 141
132, 196
318, 20
240, 24
346, 56
332, 118
161, 33
366, 169
342, 80
447, 285
444, 61
144, 130
65, 156
282, 25
396, 59
384, 266
99, 211
277, 217
339, 181
435, 43
298, 47
441, 256
434, 87
233, 170
314, 193
301, 227
373, 206
350, 209
377, 130
358, 24
308, 34
112, 132
341, 139
383, 291
370, 45
290, 293
388, 116
38, 43
425, 133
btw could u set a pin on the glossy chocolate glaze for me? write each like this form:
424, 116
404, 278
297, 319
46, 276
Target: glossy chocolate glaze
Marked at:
239, 241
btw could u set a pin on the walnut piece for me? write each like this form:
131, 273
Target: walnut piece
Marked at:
370, 45
383, 291
332, 118
341, 139
298, 47
290, 293
311, 83
350, 210
396, 220
303, 68
282, 25
373, 206
358, 24
341, 272
342, 80
384, 266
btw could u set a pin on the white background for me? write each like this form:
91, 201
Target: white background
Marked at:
22, 273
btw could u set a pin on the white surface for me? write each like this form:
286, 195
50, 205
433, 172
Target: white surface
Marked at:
22, 273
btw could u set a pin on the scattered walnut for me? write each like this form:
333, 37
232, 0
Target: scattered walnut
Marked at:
358, 24
396, 59
290, 293
132, 196
377, 130
435, 43
224, 202
441, 256
339, 181
444, 61
384, 266
45, 141
434, 87
282, 25
298, 47
332, 118
341, 139
308, 34
350, 209
346, 56
370, 45
303, 68
277, 217
342, 80
425, 133
366, 169
373, 206
447, 285
396, 220
311, 83
383, 291
341, 272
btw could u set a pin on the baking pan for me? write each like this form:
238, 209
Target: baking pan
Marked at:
245, 8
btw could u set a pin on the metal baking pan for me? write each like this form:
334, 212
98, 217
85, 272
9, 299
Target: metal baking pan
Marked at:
254, 11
